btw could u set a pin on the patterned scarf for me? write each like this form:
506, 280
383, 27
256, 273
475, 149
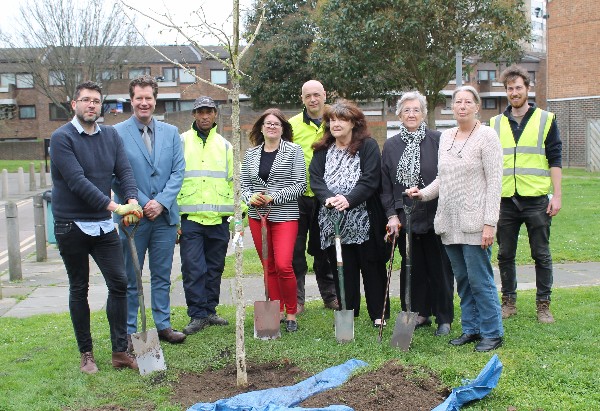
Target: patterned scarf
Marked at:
409, 166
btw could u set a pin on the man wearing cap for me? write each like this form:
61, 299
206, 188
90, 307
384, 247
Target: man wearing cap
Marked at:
154, 151
205, 202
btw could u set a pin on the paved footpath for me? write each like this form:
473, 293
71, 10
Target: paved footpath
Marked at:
45, 286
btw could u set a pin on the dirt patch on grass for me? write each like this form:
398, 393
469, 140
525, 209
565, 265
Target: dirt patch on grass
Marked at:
392, 386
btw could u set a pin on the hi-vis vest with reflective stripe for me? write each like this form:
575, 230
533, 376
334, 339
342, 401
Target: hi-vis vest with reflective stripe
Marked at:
526, 169
207, 191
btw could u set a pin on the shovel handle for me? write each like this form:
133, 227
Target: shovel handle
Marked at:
387, 287
130, 234
263, 213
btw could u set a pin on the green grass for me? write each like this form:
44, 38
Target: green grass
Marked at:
12, 166
546, 367
572, 229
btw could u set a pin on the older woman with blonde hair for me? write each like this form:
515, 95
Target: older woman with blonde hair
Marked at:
468, 185
410, 159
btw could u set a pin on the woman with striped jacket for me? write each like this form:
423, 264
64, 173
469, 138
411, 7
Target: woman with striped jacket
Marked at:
274, 175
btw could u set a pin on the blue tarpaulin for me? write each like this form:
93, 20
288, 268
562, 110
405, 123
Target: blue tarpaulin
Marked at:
286, 398
475, 389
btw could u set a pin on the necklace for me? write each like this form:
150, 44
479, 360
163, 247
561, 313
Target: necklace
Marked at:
466, 140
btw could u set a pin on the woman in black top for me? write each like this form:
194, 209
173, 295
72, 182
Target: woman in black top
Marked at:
409, 159
345, 175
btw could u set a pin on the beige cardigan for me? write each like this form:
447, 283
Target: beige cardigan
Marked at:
468, 185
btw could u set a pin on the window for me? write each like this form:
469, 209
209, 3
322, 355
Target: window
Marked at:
7, 79
24, 80
484, 75
178, 105
108, 74
56, 78
489, 103
218, 76
531, 76
176, 73
136, 72
26, 112
59, 113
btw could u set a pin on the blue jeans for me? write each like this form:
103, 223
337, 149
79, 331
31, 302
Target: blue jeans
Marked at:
533, 214
479, 303
75, 248
158, 237
203, 249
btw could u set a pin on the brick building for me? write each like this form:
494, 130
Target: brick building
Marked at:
573, 72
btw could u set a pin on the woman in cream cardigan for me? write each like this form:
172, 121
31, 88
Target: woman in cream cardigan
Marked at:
468, 184
274, 172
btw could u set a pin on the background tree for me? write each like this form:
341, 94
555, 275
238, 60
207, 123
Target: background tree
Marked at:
62, 43
199, 27
278, 62
412, 43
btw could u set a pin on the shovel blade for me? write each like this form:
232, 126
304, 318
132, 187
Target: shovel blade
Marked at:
148, 352
344, 325
404, 330
266, 320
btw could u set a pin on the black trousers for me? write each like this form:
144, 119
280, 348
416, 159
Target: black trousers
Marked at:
75, 248
356, 260
308, 226
432, 280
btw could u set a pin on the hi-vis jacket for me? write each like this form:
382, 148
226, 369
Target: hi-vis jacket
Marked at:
305, 134
526, 169
206, 195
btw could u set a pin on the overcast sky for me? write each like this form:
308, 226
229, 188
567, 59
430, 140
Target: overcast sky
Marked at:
217, 11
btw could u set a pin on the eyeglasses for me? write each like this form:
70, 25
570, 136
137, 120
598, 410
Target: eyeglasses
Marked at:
268, 124
411, 110
87, 100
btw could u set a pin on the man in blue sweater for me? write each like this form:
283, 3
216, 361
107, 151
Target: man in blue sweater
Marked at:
84, 158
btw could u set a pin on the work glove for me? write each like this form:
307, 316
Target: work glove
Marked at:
130, 219
126, 209
267, 199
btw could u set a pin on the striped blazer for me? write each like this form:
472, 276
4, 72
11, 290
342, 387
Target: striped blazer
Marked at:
286, 182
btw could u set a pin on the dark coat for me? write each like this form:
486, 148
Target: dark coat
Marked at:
391, 190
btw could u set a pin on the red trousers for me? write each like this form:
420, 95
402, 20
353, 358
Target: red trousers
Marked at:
281, 238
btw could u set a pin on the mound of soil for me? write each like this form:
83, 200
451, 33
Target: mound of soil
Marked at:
393, 386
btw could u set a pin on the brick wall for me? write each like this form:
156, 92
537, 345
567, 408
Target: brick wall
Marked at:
22, 150
573, 48
572, 118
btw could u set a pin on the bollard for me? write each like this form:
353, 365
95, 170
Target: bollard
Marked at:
5, 184
21, 180
13, 241
32, 177
40, 228
42, 175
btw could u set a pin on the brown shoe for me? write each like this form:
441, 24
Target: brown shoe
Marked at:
543, 312
88, 363
509, 307
172, 336
332, 305
124, 360
299, 309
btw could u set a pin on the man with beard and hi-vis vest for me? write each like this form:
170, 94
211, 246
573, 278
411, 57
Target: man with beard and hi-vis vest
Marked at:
532, 152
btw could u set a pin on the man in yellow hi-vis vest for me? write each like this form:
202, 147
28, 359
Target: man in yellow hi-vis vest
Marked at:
205, 202
532, 152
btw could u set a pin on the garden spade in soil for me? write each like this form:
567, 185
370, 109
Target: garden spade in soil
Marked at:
406, 320
344, 319
146, 346
266, 313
